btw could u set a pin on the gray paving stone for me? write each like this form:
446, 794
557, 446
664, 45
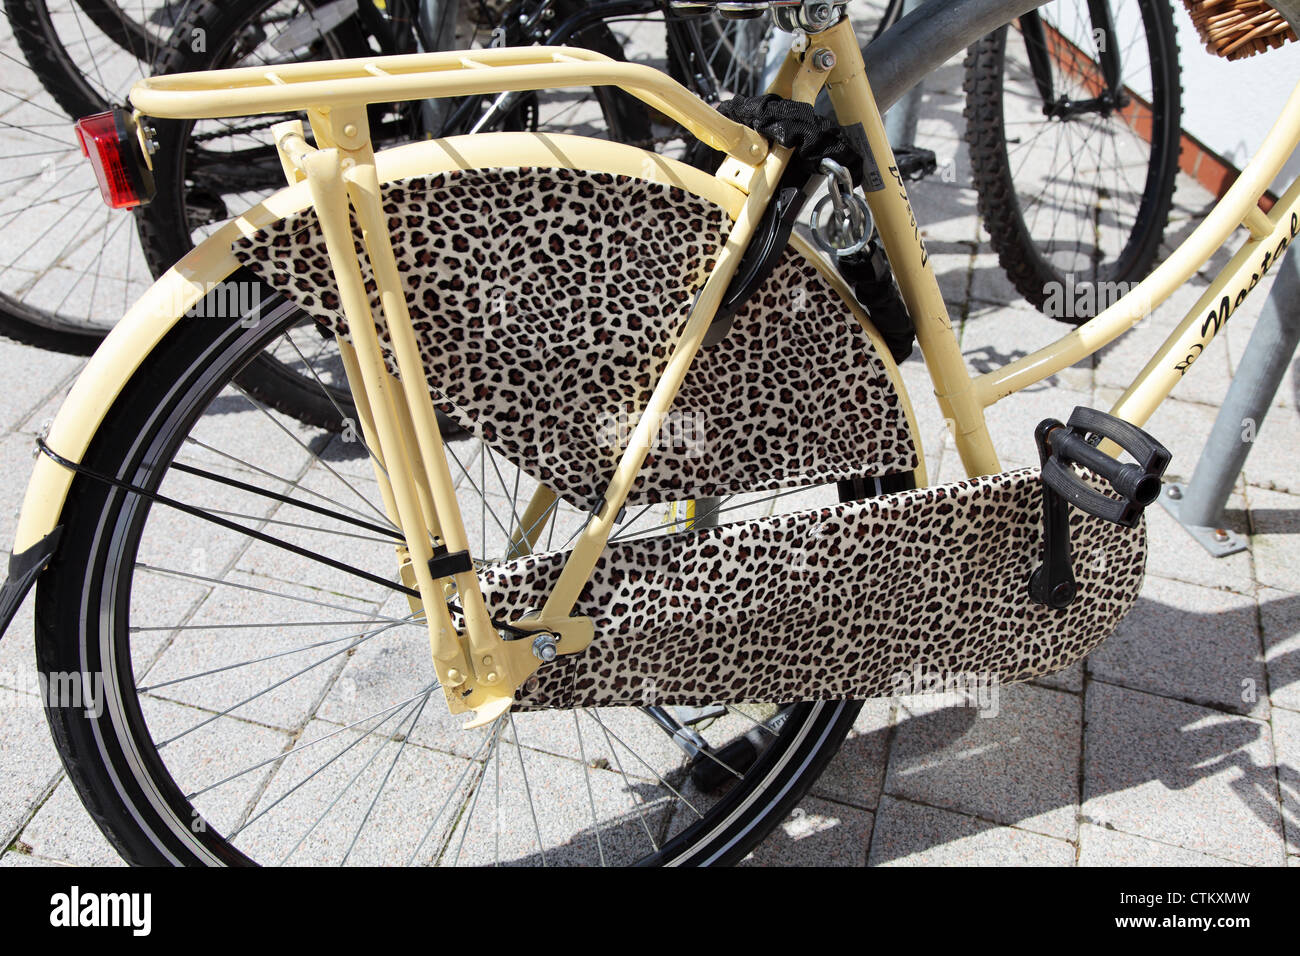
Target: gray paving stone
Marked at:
1279, 615
391, 668
1173, 553
1272, 461
16, 460
1020, 766
628, 815
223, 760
1070, 679
159, 602
187, 545
641, 747
324, 798
29, 767
857, 773
1099, 846
817, 833
1189, 642
238, 428
36, 420
43, 373
1275, 538
990, 286
952, 270
910, 834
26, 859
1181, 774
1012, 421
17, 649
998, 331
62, 831
946, 214
274, 673
1286, 738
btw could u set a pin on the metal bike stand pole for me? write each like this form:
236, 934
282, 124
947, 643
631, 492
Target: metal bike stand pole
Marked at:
900, 120
1198, 505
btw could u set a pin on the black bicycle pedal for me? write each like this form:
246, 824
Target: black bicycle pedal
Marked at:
915, 163
1136, 484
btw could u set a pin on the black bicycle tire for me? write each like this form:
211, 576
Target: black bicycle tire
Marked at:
1019, 256
49, 59
136, 441
66, 83
109, 18
27, 325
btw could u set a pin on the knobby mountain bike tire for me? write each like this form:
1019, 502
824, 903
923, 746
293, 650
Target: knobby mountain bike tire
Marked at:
1074, 220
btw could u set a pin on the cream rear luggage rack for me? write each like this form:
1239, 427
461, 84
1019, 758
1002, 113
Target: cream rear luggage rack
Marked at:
344, 83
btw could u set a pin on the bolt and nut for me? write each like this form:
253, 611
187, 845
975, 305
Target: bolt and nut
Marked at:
544, 648
819, 15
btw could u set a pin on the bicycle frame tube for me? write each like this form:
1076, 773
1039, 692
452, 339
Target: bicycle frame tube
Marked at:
855, 107
1270, 236
962, 398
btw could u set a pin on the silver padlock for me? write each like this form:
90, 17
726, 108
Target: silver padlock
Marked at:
841, 222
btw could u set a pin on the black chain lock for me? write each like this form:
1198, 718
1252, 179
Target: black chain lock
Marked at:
813, 138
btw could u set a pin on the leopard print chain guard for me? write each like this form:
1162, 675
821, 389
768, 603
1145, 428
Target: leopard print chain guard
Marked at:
840, 602
546, 303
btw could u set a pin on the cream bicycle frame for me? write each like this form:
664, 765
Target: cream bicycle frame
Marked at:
963, 398
478, 668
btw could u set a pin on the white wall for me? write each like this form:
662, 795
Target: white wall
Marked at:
1230, 105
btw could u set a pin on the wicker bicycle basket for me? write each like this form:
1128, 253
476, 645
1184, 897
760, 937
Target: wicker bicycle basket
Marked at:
1239, 28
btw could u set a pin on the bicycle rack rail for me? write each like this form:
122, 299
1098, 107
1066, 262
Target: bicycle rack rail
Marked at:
333, 84
1199, 505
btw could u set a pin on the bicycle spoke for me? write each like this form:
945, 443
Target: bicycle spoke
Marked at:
591, 799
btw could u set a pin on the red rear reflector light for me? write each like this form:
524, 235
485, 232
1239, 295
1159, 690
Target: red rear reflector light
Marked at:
109, 141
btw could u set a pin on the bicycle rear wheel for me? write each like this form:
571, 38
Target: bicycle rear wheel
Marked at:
269, 693
264, 708
1075, 184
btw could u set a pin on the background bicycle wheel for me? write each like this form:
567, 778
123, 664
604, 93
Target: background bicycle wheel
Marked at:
68, 264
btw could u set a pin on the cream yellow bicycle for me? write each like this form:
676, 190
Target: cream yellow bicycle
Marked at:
627, 620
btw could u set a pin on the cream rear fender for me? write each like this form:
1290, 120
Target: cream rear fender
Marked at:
210, 264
